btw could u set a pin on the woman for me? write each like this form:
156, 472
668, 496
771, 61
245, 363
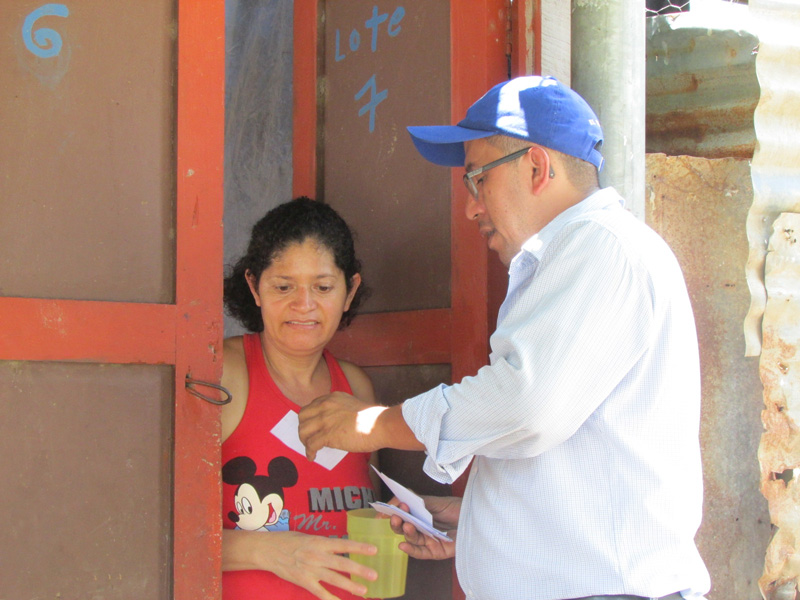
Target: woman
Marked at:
284, 517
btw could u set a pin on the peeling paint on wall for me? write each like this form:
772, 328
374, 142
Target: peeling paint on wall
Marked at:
779, 453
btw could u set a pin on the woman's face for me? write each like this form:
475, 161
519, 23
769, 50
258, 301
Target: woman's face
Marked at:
302, 296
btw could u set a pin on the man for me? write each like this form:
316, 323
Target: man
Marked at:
586, 479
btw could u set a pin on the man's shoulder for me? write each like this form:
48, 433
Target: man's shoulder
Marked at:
623, 227
614, 234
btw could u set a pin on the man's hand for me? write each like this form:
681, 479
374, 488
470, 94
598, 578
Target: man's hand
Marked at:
445, 512
339, 420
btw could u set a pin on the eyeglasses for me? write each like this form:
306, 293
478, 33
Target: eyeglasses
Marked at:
472, 186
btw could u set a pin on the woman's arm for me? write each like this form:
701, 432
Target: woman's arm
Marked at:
235, 380
300, 558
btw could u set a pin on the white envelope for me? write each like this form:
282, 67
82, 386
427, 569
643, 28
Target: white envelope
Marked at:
419, 516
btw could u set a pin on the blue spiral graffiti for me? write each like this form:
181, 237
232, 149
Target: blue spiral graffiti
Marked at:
44, 43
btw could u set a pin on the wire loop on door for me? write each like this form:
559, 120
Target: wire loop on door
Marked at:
190, 387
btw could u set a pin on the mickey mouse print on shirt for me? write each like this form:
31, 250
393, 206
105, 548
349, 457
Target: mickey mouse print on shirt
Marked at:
259, 499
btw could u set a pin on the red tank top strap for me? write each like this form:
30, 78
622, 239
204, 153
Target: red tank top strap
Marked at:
252, 352
257, 371
339, 382
259, 376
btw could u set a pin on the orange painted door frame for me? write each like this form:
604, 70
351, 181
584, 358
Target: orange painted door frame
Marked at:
526, 37
186, 334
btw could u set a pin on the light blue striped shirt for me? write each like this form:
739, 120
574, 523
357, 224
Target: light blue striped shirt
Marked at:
584, 427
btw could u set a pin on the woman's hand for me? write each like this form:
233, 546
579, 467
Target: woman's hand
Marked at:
445, 511
303, 559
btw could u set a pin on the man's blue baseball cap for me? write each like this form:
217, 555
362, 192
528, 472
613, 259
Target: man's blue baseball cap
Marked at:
538, 109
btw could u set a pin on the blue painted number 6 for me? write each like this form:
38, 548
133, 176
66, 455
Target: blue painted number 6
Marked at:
44, 43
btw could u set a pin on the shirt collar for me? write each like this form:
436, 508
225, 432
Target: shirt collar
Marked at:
599, 200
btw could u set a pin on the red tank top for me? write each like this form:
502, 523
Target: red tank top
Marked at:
268, 486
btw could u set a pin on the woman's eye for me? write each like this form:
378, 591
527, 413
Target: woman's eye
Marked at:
324, 288
282, 288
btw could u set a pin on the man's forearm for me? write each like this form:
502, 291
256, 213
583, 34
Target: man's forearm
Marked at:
392, 431
339, 420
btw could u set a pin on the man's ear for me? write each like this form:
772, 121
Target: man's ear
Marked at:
542, 167
252, 283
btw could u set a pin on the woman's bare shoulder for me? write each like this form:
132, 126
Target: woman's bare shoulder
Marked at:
235, 380
359, 381
233, 348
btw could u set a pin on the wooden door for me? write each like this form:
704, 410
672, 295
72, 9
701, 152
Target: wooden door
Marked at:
363, 71
110, 298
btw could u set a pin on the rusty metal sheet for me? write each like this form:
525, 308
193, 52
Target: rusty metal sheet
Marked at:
701, 83
779, 453
699, 206
772, 325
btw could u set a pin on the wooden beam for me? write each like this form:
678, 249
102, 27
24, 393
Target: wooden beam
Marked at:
418, 337
304, 113
86, 331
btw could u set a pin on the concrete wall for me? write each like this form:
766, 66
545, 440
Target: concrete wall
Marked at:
700, 208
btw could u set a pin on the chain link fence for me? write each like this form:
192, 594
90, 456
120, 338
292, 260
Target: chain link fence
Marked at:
666, 7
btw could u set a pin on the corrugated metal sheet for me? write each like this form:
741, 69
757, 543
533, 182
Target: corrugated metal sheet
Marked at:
772, 326
701, 83
775, 168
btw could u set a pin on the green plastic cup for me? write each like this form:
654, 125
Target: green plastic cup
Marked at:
391, 563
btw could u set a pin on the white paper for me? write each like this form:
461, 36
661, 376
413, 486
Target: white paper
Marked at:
286, 431
428, 530
418, 515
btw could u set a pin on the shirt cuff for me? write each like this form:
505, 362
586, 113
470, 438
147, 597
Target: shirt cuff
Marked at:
423, 414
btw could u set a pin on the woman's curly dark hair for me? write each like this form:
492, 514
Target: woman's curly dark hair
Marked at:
288, 223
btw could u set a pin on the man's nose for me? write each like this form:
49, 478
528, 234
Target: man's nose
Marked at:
473, 208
